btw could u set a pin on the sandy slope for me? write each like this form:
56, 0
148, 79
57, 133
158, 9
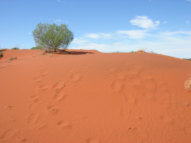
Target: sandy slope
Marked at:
94, 98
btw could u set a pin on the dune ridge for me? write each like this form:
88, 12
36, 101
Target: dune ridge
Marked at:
94, 97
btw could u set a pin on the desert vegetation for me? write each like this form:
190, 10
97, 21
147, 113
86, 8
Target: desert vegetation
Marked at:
15, 48
36, 48
1, 54
51, 37
188, 59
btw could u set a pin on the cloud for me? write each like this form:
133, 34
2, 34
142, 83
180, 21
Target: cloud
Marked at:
93, 36
172, 43
98, 35
144, 22
60, 1
134, 34
175, 33
58, 21
79, 41
188, 0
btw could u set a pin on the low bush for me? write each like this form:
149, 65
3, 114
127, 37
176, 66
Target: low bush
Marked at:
35, 48
15, 48
1, 54
3, 50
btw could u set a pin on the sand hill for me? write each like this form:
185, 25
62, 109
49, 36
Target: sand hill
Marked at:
92, 97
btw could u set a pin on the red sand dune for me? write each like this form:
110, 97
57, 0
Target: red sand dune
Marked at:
94, 98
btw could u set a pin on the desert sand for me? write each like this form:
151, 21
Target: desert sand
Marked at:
94, 97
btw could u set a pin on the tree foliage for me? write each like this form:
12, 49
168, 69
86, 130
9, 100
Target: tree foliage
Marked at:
15, 48
35, 48
51, 37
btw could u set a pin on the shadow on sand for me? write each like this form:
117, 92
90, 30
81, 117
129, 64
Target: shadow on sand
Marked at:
65, 52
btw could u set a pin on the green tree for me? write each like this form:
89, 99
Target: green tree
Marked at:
36, 48
51, 37
15, 48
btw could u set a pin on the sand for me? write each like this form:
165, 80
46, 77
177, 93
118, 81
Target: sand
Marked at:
94, 97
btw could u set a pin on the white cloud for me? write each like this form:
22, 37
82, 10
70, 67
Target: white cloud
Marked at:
134, 34
97, 36
79, 41
172, 43
188, 0
58, 21
175, 33
106, 35
93, 36
187, 22
144, 22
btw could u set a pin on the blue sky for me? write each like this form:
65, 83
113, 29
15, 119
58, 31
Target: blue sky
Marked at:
162, 26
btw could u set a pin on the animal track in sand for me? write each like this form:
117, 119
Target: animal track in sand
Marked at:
43, 74
9, 134
134, 71
60, 97
42, 126
64, 124
35, 99
59, 86
32, 118
117, 86
76, 77
38, 80
52, 109
187, 84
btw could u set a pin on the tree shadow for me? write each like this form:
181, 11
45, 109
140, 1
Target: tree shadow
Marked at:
66, 52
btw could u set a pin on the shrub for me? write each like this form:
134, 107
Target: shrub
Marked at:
51, 37
1, 54
3, 50
35, 48
15, 48
189, 59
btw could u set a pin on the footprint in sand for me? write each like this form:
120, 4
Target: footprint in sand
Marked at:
59, 86
60, 97
121, 76
23, 140
38, 80
117, 86
9, 134
35, 99
76, 77
187, 84
52, 109
42, 126
32, 118
43, 74
134, 71
64, 124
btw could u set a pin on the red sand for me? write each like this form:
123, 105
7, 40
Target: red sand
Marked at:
94, 98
